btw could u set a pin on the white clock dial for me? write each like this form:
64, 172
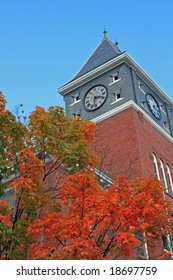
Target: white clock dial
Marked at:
153, 105
95, 97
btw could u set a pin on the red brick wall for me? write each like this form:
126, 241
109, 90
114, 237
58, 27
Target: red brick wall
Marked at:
125, 143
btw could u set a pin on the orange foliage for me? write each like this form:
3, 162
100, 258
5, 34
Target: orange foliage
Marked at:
63, 216
30, 170
97, 224
5, 213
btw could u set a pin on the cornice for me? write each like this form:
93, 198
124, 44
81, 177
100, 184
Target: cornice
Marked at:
122, 58
91, 75
132, 104
144, 76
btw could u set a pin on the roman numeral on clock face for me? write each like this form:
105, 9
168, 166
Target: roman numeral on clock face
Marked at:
95, 97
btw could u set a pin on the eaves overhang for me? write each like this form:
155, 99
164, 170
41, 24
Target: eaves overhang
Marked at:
132, 104
91, 75
122, 58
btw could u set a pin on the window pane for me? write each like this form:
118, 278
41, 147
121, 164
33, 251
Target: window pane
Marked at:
155, 166
163, 176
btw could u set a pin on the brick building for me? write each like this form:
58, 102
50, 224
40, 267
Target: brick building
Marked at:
134, 116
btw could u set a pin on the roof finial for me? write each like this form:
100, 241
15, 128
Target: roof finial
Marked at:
116, 43
105, 34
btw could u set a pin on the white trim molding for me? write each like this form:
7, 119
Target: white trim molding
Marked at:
132, 104
122, 58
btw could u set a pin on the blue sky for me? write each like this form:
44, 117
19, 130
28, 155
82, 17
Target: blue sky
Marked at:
43, 43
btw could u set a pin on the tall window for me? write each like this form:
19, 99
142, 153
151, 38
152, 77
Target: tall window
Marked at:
166, 242
169, 178
155, 166
163, 176
142, 248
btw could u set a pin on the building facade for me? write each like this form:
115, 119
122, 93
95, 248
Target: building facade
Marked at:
134, 116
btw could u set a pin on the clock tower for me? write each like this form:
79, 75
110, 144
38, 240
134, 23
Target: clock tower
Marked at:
133, 114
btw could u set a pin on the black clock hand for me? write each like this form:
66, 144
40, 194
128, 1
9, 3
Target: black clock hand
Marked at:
96, 97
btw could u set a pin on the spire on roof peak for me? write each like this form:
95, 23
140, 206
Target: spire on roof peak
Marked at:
116, 44
105, 52
105, 34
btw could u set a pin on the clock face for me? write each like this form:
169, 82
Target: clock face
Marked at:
95, 97
153, 105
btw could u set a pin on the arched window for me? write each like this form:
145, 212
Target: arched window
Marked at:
169, 178
166, 242
155, 166
163, 177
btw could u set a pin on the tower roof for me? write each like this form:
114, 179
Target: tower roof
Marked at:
105, 51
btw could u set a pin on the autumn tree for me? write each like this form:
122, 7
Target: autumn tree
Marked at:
39, 156
11, 142
97, 224
59, 210
11, 138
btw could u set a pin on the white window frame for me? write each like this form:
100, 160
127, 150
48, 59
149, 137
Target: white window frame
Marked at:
143, 244
165, 127
140, 87
169, 178
162, 108
167, 244
163, 176
114, 78
76, 99
156, 166
144, 105
116, 98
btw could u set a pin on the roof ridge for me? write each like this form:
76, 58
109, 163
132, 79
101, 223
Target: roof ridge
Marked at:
104, 52
113, 45
86, 62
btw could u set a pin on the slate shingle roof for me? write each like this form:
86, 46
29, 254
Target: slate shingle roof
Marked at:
105, 51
